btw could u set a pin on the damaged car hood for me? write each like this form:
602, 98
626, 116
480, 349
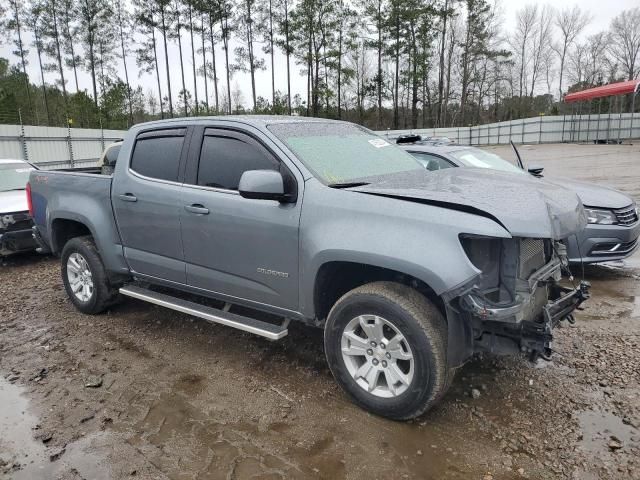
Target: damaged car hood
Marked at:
525, 206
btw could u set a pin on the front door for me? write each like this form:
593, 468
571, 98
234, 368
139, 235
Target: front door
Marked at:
234, 246
146, 198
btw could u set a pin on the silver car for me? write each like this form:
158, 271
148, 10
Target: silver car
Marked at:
613, 228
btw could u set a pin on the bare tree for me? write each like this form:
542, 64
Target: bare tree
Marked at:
541, 45
625, 41
577, 61
522, 42
570, 22
597, 58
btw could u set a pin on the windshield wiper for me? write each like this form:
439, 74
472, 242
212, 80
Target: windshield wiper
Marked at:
348, 184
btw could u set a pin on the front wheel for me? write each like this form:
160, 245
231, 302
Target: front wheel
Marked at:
84, 276
386, 347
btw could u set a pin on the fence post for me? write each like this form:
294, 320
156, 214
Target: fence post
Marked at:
589, 120
101, 133
598, 127
23, 140
608, 121
70, 144
510, 128
620, 117
633, 111
540, 131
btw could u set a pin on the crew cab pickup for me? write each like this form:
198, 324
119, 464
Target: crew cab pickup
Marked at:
255, 221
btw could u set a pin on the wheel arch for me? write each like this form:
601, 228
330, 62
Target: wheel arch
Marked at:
337, 277
64, 229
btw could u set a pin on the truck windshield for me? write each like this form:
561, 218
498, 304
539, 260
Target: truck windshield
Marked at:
474, 157
14, 176
340, 153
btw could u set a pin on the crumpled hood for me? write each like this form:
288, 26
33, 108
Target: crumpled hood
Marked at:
593, 195
525, 206
13, 201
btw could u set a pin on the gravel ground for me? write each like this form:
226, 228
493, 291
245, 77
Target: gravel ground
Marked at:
143, 392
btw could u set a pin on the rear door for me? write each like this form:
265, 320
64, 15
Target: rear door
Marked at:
234, 246
146, 198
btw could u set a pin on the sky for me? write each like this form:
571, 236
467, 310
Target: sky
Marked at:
601, 12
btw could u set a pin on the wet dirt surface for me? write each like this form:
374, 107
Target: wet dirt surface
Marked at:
143, 392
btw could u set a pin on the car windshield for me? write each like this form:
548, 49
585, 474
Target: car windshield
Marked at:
14, 176
340, 153
474, 157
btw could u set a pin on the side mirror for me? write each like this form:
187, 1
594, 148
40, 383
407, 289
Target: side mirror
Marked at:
262, 185
535, 170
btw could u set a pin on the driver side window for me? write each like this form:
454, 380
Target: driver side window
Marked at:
223, 160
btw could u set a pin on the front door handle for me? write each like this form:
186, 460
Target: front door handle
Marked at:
128, 197
197, 208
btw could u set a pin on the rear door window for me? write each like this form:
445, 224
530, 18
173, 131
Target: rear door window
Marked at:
157, 154
224, 157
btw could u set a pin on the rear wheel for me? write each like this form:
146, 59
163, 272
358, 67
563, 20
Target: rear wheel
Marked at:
385, 344
84, 276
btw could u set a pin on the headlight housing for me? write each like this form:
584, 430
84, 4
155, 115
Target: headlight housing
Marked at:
600, 216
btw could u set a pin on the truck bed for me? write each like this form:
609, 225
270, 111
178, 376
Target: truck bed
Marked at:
59, 196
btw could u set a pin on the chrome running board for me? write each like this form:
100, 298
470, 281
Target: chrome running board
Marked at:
247, 324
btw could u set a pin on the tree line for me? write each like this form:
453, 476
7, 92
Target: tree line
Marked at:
382, 63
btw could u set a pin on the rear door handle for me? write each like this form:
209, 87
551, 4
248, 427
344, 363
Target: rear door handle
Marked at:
128, 197
197, 208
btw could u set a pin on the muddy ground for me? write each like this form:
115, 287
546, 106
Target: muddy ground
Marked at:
143, 392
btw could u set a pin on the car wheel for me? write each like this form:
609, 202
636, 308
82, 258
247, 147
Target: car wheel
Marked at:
84, 276
386, 346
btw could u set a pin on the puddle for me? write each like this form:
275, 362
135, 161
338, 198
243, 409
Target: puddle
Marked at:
17, 445
598, 428
30, 457
176, 435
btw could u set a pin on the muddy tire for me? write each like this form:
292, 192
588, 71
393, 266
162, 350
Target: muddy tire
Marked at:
85, 278
386, 346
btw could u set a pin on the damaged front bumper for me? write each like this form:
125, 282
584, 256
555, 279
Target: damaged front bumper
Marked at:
525, 324
502, 333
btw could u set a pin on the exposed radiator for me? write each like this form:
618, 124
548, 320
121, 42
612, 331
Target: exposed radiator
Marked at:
532, 256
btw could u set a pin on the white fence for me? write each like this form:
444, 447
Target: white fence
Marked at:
553, 129
53, 147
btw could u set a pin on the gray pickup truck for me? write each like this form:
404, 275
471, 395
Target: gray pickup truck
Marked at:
255, 221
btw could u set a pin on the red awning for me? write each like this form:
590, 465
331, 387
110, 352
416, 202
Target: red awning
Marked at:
620, 88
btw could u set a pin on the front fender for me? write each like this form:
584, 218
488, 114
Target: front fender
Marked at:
410, 238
